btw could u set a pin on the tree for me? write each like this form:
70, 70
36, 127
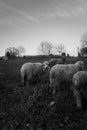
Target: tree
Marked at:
59, 48
83, 42
11, 52
21, 50
45, 48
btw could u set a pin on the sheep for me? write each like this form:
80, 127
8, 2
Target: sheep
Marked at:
54, 61
61, 73
79, 83
29, 70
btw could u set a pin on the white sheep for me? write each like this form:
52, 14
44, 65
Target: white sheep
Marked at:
29, 70
79, 83
63, 73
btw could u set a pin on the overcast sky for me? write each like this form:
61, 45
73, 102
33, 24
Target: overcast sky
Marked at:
28, 22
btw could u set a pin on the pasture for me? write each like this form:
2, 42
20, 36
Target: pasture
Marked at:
20, 109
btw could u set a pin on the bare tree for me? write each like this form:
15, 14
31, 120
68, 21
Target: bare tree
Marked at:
21, 50
59, 48
45, 48
11, 52
83, 43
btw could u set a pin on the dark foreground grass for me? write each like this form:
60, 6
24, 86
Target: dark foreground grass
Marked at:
29, 108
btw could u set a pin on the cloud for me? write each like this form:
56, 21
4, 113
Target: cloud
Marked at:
63, 9
78, 11
13, 12
12, 15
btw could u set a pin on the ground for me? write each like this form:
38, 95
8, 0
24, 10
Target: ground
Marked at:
35, 108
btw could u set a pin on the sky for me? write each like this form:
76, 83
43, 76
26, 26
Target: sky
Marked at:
29, 22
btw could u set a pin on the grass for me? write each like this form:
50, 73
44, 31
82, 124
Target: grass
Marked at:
21, 109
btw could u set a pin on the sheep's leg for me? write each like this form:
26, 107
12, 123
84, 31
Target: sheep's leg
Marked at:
53, 85
54, 89
78, 98
27, 79
23, 79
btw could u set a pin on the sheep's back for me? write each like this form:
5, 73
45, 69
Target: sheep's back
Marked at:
37, 68
63, 72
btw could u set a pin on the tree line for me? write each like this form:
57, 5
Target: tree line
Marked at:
47, 48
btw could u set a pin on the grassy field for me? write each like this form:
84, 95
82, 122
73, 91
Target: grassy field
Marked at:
20, 109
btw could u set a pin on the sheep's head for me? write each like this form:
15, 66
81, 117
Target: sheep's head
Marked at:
45, 67
80, 65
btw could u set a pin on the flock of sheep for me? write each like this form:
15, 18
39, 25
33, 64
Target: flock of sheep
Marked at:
58, 73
